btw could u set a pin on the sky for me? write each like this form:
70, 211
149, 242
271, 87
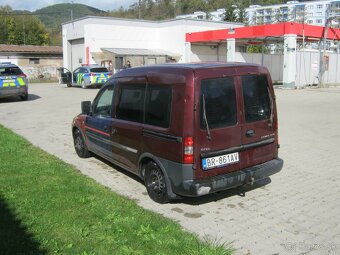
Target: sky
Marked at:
38, 4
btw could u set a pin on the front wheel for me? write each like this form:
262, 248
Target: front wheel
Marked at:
155, 183
79, 145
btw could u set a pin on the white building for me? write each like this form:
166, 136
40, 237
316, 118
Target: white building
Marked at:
311, 12
217, 15
195, 15
111, 41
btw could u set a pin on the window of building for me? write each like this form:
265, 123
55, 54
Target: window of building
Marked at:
319, 14
218, 103
158, 106
319, 6
310, 7
34, 61
318, 21
310, 21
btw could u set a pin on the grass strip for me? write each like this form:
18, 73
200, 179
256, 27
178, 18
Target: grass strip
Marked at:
49, 207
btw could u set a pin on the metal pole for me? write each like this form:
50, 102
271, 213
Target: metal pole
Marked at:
71, 11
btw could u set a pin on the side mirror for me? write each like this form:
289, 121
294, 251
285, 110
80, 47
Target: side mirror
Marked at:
86, 107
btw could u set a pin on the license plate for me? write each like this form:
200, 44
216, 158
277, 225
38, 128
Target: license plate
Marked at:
220, 161
9, 81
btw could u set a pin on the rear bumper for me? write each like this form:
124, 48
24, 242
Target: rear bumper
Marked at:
9, 92
195, 188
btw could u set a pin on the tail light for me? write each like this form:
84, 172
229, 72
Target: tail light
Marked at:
109, 74
188, 150
92, 74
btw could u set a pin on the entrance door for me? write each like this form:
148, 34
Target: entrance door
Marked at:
119, 63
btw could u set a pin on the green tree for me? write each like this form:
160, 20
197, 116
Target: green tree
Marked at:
21, 29
4, 20
230, 14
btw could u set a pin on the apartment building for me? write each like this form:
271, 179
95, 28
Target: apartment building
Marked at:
311, 12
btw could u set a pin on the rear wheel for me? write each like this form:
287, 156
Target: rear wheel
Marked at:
24, 97
79, 144
69, 85
83, 85
155, 183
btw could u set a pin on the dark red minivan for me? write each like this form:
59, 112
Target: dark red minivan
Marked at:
185, 129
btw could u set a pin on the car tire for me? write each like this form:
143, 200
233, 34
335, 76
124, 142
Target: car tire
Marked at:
24, 97
155, 183
79, 144
83, 85
69, 85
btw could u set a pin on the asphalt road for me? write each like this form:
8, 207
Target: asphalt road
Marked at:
297, 211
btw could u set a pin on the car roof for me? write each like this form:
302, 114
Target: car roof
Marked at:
7, 64
92, 66
183, 67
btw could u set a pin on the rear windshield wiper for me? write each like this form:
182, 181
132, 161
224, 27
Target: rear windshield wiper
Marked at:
205, 118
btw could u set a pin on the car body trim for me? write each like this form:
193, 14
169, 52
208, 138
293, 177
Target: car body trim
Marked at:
97, 131
123, 147
162, 135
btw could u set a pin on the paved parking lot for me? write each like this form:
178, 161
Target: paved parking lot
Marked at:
296, 212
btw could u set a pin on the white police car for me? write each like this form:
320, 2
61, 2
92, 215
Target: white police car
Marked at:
13, 81
84, 76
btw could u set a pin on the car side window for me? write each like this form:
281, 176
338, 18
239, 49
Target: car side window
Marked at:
103, 104
256, 97
131, 103
158, 106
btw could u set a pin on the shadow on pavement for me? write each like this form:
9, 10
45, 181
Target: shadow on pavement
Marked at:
31, 97
239, 191
15, 238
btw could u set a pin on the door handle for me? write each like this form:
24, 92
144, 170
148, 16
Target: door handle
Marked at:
250, 132
114, 131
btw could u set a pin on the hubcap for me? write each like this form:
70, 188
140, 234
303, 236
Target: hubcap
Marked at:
78, 143
157, 182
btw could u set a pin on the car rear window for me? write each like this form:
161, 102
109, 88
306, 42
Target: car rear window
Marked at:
99, 70
256, 98
10, 71
219, 97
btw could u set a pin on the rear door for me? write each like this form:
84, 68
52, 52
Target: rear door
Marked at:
258, 134
128, 122
217, 137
